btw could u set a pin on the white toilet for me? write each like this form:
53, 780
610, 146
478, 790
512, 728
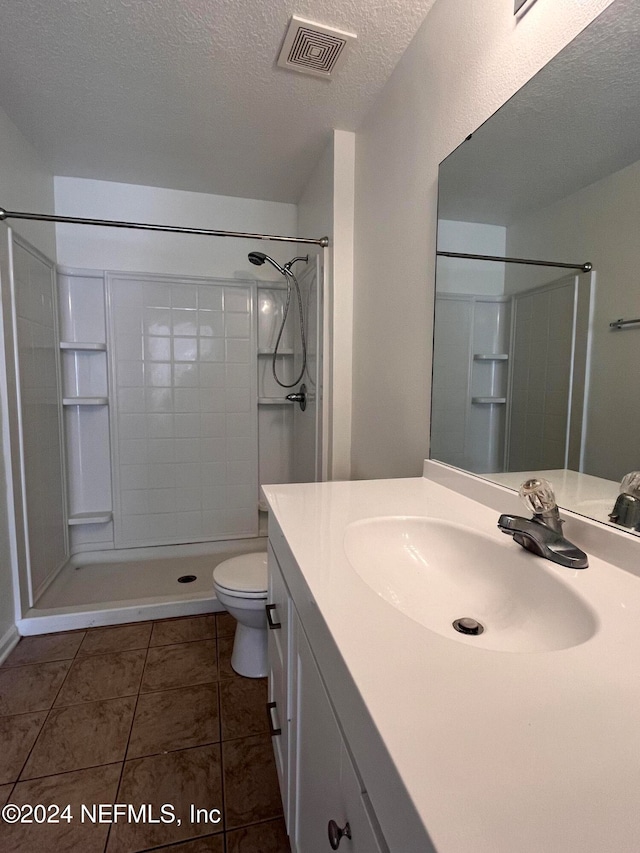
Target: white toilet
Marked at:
241, 587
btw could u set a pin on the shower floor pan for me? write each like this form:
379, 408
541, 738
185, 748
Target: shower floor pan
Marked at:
113, 587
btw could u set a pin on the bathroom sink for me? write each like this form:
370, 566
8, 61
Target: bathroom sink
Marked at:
437, 572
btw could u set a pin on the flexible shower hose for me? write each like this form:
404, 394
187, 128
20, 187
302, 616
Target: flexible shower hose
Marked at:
290, 276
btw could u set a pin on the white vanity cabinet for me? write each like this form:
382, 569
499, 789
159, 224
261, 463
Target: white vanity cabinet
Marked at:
279, 710
332, 809
324, 800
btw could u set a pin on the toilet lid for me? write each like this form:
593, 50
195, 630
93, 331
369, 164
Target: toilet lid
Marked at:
246, 573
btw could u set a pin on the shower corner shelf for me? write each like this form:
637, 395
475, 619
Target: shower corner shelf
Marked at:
90, 518
491, 356
285, 351
83, 346
85, 401
488, 401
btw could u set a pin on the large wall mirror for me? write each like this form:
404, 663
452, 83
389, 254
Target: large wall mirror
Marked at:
529, 374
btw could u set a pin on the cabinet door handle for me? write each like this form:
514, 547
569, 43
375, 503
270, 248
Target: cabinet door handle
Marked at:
272, 625
336, 834
272, 729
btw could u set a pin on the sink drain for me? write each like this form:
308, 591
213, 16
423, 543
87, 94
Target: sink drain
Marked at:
187, 578
468, 626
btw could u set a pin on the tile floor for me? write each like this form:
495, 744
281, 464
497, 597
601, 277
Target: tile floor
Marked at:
144, 714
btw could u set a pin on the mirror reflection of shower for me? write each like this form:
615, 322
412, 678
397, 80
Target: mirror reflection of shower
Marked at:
258, 258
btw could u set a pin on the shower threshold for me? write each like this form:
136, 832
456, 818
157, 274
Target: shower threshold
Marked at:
114, 587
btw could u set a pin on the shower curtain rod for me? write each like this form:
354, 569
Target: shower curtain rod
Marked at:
586, 267
142, 226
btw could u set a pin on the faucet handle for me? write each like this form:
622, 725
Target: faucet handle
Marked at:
630, 484
626, 511
537, 495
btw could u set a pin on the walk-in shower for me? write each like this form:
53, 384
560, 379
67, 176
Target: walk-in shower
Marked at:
169, 422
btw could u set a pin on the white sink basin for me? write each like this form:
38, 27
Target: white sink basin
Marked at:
436, 571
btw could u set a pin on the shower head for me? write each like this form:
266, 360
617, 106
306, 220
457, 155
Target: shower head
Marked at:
258, 258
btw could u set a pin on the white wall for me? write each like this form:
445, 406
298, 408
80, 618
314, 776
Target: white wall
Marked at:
460, 275
466, 60
598, 224
26, 184
342, 308
326, 207
140, 251
315, 217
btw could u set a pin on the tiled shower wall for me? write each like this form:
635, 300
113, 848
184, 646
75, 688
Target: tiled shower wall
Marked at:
184, 410
275, 422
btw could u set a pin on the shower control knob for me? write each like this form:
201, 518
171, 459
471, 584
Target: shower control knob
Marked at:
299, 397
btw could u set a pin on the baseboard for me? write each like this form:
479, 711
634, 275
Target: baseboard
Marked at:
8, 642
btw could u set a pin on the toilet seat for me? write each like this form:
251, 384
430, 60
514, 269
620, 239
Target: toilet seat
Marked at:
244, 576
233, 593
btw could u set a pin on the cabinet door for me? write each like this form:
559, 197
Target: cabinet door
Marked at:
278, 615
278, 607
328, 788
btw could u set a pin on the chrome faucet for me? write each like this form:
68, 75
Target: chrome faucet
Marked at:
626, 511
542, 534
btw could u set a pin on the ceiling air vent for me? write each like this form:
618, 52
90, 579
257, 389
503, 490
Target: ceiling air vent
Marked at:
313, 48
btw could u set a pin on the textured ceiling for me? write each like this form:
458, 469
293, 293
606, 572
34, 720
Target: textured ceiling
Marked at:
186, 93
575, 122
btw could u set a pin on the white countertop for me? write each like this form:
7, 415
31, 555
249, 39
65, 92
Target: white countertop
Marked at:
531, 752
581, 493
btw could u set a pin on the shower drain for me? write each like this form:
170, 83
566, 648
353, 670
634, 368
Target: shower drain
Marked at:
187, 578
466, 625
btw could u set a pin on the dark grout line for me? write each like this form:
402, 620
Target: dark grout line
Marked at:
176, 688
44, 723
256, 823
87, 655
218, 680
5, 668
182, 642
224, 787
89, 701
24, 713
63, 772
174, 749
174, 844
265, 733
13, 787
126, 748
123, 761
80, 655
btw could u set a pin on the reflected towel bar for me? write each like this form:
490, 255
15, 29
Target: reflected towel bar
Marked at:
586, 267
